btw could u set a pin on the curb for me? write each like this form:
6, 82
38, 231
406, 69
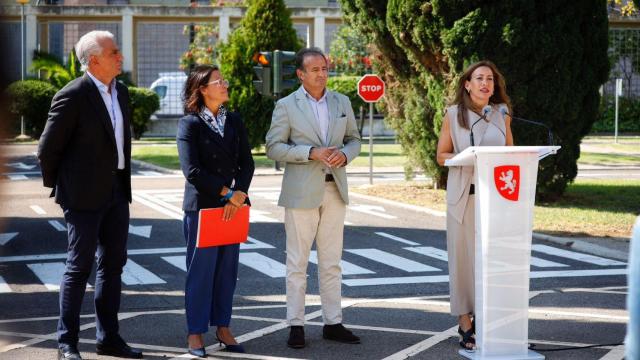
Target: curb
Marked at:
153, 167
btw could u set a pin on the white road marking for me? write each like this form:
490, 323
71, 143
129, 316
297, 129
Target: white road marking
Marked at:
347, 267
591, 259
21, 166
4, 287
149, 173
57, 225
423, 345
445, 278
537, 262
259, 216
17, 177
263, 264
374, 210
142, 230
134, 274
430, 252
38, 210
253, 244
6, 237
392, 260
179, 261
397, 238
50, 274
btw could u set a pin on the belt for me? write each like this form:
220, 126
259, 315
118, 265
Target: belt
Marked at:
472, 189
328, 178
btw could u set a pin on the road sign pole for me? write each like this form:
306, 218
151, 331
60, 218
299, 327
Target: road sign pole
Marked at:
371, 143
618, 93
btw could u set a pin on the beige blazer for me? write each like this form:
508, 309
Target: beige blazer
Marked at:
460, 178
294, 131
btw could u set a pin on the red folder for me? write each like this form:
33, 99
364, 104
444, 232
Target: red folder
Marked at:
213, 231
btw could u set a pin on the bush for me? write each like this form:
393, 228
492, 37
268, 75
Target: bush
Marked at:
31, 99
628, 116
144, 103
266, 26
347, 85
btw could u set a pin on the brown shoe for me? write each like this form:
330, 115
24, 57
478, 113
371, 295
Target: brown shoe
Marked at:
339, 333
296, 337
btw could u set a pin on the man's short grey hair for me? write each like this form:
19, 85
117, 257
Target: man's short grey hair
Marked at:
89, 44
306, 52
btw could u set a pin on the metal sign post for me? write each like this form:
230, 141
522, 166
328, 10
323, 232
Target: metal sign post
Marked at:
371, 88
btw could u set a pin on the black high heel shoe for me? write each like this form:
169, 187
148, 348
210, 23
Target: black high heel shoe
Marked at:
200, 352
235, 348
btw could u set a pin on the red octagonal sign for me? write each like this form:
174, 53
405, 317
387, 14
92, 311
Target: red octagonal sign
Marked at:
371, 88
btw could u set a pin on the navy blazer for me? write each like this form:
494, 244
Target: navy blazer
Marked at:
77, 149
209, 162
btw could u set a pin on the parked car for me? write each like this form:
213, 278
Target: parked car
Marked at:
169, 87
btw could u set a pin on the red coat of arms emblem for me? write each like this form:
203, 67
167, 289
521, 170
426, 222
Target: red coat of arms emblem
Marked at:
507, 180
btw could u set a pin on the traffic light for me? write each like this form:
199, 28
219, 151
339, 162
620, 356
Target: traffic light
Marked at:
284, 71
263, 72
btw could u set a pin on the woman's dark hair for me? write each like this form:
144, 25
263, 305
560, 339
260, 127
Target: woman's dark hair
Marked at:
463, 99
192, 97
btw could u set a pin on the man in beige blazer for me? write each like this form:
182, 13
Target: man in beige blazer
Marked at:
314, 132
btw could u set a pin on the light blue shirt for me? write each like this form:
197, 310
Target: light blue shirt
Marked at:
320, 110
115, 113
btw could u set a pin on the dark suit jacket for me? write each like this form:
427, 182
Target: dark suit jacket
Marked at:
77, 149
210, 162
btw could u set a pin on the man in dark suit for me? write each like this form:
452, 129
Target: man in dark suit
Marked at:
85, 156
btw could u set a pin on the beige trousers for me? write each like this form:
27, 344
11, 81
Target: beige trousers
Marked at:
461, 253
325, 225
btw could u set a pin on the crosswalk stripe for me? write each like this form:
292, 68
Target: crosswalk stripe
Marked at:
263, 264
4, 287
134, 274
17, 177
442, 255
50, 274
430, 252
57, 225
392, 260
396, 238
537, 262
37, 209
178, 261
347, 267
591, 259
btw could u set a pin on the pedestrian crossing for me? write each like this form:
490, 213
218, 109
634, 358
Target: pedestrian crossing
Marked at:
360, 267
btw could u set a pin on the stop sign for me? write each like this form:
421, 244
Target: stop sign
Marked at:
371, 88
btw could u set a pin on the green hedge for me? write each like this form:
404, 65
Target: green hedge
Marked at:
347, 85
31, 99
144, 103
628, 116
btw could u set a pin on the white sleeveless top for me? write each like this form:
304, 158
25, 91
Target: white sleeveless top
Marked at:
492, 133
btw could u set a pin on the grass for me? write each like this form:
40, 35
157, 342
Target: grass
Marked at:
166, 155
593, 208
596, 158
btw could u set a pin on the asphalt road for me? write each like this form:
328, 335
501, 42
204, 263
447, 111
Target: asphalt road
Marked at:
395, 291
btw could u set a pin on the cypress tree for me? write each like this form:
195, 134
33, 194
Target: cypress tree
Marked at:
266, 26
553, 56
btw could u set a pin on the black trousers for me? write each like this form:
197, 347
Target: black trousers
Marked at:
100, 235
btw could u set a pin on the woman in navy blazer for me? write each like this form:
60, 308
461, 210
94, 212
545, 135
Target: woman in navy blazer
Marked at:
215, 157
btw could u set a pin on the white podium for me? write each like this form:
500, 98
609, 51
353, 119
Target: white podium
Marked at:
505, 187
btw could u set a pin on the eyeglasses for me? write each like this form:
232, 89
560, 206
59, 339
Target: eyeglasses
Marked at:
219, 83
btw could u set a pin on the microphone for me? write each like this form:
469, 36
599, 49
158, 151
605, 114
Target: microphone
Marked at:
503, 110
485, 111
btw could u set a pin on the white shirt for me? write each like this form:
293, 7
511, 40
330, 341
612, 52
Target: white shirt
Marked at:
320, 110
115, 113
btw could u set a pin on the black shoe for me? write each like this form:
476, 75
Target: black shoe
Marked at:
234, 348
68, 352
296, 337
118, 348
339, 333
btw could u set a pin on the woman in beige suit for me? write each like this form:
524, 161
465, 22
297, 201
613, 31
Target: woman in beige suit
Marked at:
479, 93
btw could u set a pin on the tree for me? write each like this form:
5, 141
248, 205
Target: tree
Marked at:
202, 50
31, 99
266, 26
54, 70
348, 53
144, 103
552, 54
